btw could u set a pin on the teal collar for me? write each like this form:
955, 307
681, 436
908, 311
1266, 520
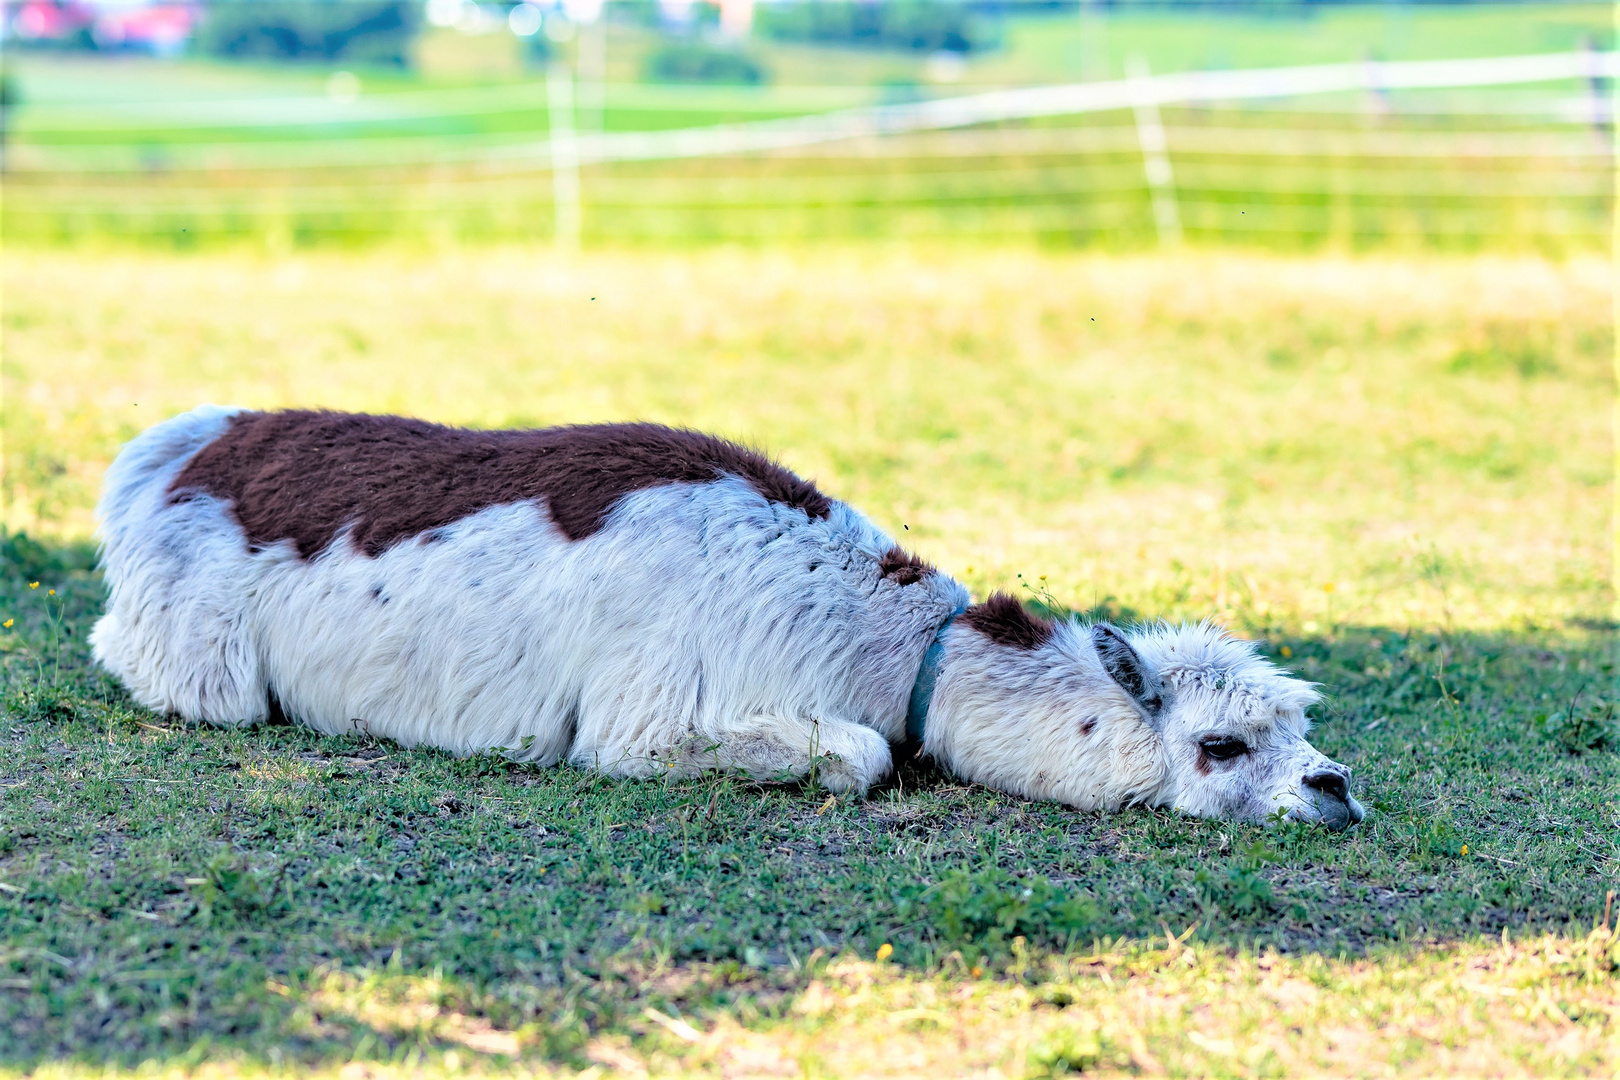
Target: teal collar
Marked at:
922, 691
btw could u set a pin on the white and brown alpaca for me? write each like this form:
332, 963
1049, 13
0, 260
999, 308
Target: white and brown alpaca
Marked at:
645, 601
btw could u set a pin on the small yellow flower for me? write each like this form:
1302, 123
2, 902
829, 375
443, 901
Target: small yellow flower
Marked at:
977, 972
1043, 577
885, 951
50, 592
33, 584
1286, 651
7, 623
1328, 587
1465, 849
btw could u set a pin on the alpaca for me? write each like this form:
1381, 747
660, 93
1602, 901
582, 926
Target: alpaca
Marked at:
646, 601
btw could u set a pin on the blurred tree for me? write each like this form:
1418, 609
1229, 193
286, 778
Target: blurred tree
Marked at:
921, 25
700, 62
9, 96
636, 12
354, 31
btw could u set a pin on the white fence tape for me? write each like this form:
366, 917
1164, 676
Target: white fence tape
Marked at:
1074, 98
762, 136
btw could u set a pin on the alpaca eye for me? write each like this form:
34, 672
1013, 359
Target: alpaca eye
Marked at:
1223, 747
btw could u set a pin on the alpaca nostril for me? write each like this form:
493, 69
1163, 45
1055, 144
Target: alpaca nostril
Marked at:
1329, 783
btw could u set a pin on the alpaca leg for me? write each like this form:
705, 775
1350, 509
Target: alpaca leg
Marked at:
766, 746
843, 756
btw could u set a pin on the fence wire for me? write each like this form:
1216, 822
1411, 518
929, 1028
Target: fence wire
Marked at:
1515, 150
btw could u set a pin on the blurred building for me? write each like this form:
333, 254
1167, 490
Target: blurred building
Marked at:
153, 26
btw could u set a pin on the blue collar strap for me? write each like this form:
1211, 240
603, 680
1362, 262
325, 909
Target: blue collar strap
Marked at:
922, 691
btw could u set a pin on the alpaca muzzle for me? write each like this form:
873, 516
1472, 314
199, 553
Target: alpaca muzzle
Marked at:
1330, 796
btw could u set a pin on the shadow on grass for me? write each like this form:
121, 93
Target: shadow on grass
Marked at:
275, 896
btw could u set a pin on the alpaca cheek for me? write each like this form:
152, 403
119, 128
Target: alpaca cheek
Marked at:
1206, 792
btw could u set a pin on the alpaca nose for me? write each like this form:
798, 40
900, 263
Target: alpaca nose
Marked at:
1335, 784
1329, 783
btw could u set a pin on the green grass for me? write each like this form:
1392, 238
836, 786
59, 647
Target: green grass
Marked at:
1057, 48
1390, 472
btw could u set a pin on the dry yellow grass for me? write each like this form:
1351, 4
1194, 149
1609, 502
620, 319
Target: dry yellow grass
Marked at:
1199, 434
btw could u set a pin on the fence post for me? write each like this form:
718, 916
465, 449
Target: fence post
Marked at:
1613, 109
1376, 99
592, 74
1093, 41
1597, 89
1155, 150
564, 144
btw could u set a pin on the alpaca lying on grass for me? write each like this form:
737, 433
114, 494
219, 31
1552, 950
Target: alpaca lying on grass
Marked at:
646, 601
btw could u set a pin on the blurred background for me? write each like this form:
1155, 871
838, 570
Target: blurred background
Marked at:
1073, 123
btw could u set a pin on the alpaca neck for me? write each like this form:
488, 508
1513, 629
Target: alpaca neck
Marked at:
1044, 723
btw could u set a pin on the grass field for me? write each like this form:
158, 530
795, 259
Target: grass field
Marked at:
1271, 180
1393, 472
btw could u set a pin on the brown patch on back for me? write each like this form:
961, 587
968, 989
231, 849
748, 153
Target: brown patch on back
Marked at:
305, 475
1004, 621
902, 567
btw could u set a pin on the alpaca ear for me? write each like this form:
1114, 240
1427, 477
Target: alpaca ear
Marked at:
1124, 665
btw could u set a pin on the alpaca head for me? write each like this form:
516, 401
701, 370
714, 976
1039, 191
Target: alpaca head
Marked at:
1230, 724
1181, 716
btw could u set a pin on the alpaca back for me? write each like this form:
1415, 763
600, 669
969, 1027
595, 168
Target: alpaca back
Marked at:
687, 604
